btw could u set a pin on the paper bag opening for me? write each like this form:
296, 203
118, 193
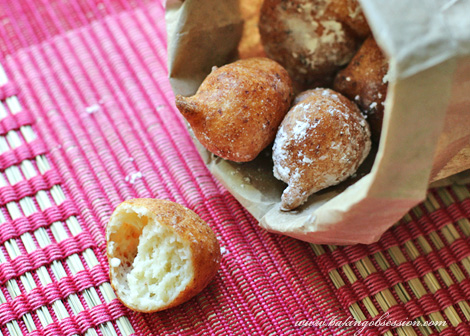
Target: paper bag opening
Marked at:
426, 124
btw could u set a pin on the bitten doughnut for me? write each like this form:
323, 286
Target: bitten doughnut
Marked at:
364, 81
160, 254
321, 142
312, 39
238, 107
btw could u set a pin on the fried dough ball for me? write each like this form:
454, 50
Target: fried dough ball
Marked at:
160, 254
312, 39
364, 81
322, 141
238, 108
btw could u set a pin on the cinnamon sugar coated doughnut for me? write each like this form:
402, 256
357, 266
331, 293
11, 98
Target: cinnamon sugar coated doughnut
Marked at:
312, 39
321, 142
160, 254
365, 81
238, 108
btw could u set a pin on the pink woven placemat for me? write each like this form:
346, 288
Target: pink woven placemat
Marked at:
87, 120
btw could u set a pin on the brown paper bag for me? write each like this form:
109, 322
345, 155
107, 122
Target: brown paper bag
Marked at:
426, 131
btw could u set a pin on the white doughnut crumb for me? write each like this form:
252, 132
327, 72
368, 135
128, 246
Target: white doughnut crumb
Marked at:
152, 264
115, 262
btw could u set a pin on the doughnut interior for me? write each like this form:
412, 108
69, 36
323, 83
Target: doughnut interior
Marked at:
151, 263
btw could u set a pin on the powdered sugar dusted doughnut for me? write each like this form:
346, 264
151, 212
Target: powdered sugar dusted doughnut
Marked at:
312, 39
322, 141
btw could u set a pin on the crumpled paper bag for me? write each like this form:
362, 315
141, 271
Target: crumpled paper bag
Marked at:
426, 129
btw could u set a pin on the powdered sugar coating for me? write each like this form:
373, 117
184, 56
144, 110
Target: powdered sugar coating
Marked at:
321, 142
312, 39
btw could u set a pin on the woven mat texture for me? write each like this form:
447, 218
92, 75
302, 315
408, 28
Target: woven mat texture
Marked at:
87, 120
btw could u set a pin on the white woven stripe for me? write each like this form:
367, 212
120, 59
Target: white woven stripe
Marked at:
40, 238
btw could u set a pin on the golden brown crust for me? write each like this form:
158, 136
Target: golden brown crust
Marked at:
321, 142
364, 81
190, 227
312, 39
349, 12
238, 108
